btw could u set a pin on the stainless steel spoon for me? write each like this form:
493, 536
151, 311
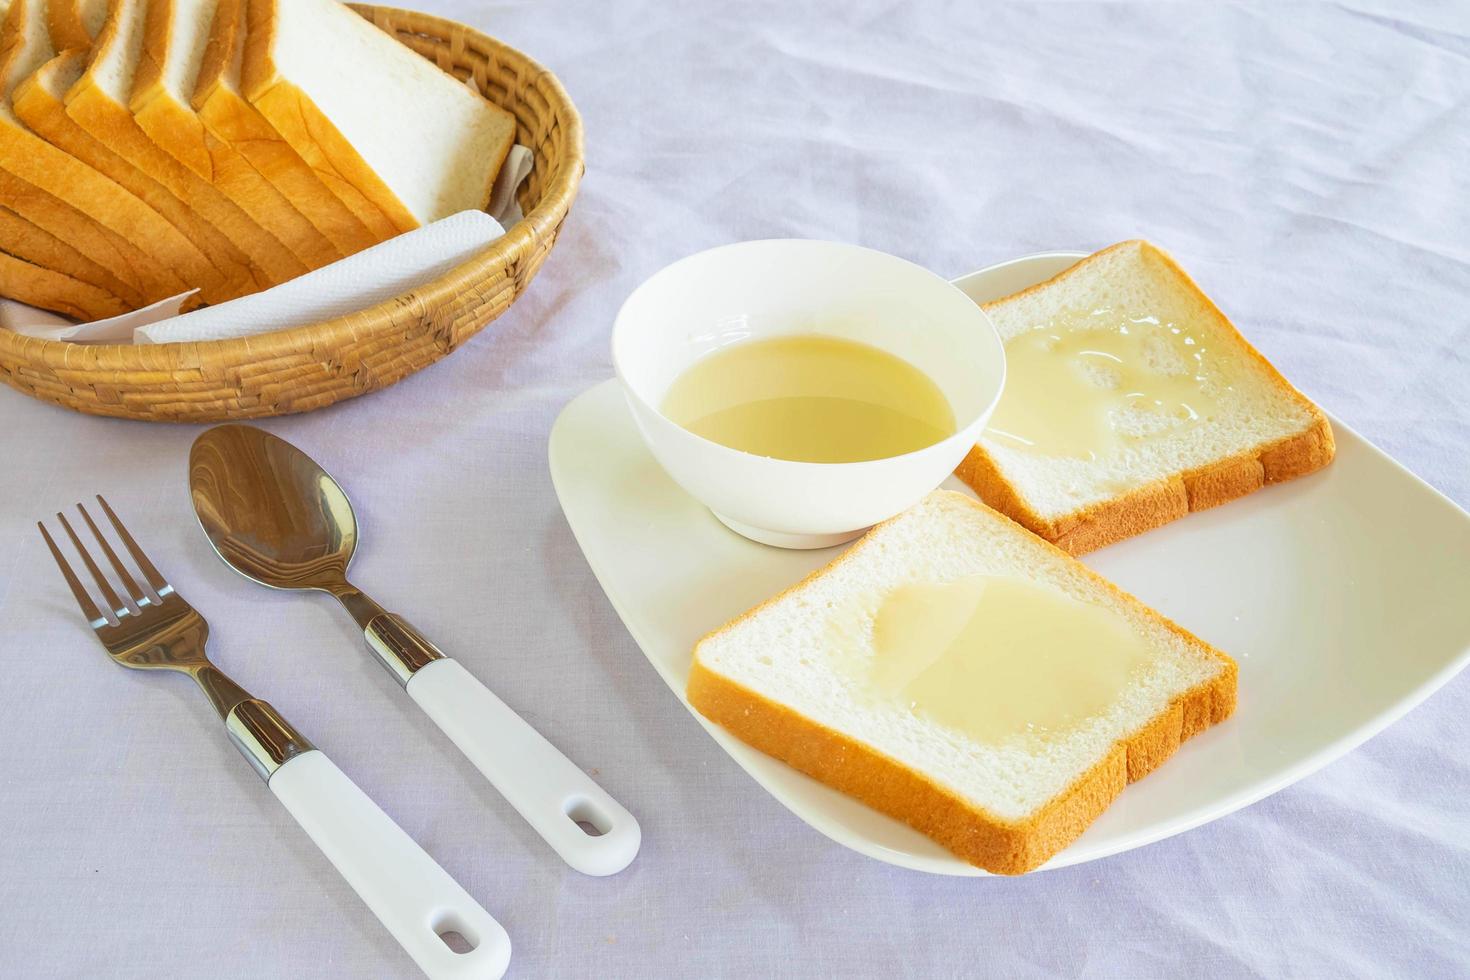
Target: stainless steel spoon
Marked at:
279, 519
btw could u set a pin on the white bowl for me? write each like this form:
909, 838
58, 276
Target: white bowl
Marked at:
761, 289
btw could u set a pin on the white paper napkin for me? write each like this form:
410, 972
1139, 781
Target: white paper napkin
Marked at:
354, 283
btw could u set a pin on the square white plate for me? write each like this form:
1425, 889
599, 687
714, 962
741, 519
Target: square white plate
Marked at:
1344, 596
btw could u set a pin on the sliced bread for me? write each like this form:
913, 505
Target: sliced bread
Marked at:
1226, 423
97, 102
791, 677
36, 92
29, 241
71, 201
175, 35
36, 286
230, 116
384, 127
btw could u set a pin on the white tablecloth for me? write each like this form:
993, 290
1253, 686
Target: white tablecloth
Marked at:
1308, 163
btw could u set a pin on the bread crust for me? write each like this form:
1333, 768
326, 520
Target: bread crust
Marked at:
1170, 498
189, 248
996, 845
27, 240
66, 26
35, 286
334, 159
49, 207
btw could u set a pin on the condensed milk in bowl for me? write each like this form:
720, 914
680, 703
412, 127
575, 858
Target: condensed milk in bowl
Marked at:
806, 390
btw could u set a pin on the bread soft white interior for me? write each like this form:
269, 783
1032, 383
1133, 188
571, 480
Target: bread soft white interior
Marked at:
1254, 406
188, 37
59, 75
113, 64
793, 651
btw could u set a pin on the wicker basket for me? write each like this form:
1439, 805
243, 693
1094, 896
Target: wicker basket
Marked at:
308, 367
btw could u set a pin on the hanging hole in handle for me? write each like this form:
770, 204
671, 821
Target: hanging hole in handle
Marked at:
459, 937
590, 820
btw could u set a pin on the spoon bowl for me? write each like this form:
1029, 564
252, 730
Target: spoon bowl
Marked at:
270, 511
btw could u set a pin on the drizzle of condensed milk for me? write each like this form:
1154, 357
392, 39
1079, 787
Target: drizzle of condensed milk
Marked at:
998, 657
1087, 383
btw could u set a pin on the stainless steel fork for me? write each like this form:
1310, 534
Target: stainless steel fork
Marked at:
436, 921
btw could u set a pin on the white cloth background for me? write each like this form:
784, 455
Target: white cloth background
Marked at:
1307, 162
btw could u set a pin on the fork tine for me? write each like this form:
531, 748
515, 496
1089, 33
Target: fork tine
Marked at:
117, 606
159, 583
89, 608
129, 585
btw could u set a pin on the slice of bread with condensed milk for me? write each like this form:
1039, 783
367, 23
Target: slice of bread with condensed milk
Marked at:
960, 674
1130, 401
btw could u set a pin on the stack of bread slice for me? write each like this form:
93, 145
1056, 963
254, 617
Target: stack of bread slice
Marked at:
151, 147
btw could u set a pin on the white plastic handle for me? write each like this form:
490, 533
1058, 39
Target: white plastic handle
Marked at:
406, 889
588, 828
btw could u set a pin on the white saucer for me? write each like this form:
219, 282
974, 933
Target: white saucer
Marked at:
1342, 595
